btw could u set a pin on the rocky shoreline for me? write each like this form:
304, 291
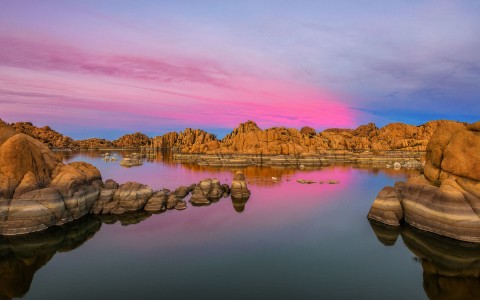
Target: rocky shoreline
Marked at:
389, 159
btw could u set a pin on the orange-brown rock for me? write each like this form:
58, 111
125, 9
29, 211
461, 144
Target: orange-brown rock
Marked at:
37, 190
6, 132
446, 201
134, 140
93, 143
25, 161
195, 140
44, 134
308, 131
248, 138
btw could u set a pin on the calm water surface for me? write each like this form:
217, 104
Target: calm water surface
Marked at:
288, 241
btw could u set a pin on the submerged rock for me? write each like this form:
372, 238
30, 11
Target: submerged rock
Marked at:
131, 162
305, 181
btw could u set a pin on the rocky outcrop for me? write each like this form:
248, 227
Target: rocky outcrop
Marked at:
132, 141
195, 140
37, 190
119, 199
239, 189
93, 143
308, 131
45, 134
157, 203
208, 191
248, 138
446, 199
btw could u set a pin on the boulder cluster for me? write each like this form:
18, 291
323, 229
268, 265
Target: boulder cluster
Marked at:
37, 190
446, 199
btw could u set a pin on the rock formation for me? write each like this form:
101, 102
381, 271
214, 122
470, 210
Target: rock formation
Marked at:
92, 143
196, 140
446, 199
239, 189
44, 134
248, 138
131, 161
131, 141
37, 190
208, 191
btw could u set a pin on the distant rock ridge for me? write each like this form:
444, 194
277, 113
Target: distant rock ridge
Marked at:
446, 199
196, 140
248, 138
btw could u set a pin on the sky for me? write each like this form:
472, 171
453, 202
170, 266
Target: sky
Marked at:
105, 68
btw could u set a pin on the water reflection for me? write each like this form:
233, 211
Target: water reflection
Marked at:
451, 269
126, 219
22, 256
256, 175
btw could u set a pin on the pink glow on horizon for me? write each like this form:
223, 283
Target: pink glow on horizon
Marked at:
51, 81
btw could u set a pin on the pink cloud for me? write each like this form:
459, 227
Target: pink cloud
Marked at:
51, 79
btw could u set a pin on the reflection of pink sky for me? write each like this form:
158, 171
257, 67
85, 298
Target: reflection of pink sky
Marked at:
272, 206
289, 200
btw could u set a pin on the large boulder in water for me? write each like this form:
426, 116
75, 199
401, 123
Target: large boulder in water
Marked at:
446, 200
36, 189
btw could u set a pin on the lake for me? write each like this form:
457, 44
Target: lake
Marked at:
288, 241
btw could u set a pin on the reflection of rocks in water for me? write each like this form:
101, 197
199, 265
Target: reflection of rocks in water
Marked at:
125, 219
22, 256
442, 255
440, 287
239, 204
451, 268
387, 235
